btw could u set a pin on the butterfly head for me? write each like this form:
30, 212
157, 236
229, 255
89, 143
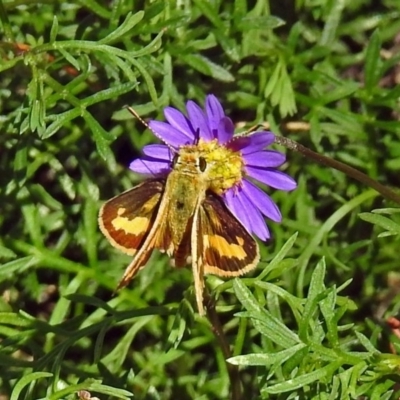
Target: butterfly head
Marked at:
221, 166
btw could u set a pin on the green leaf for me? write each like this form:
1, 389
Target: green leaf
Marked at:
279, 89
266, 323
91, 385
345, 90
125, 27
116, 357
319, 375
316, 293
207, 67
149, 80
101, 137
349, 121
265, 22
295, 303
89, 300
98, 345
229, 46
5, 253
366, 343
37, 115
273, 81
389, 211
327, 307
274, 267
60, 121
266, 359
54, 29
384, 222
287, 103
209, 10
110, 93
96, 8
179, 327
71, 59
372, 62
317, 285
25, 381
332, 23
13, 319
15, 267
32, 219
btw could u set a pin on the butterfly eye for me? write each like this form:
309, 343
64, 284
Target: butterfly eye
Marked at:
202, 164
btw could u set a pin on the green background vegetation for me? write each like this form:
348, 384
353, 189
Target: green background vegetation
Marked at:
310, 322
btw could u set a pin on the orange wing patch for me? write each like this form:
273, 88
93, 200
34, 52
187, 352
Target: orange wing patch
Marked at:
227, 248
127, 219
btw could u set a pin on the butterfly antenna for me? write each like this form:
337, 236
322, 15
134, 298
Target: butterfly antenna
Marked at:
137, 116
248, 131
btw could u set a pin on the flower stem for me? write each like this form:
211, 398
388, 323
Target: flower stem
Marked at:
330, 162
233, 370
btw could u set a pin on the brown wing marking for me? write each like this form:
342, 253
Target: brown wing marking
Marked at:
182, 253
227, 248
126, 219
158, 229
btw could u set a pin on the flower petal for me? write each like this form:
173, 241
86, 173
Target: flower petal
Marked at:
252, 143
236, 207
246, 213
179, 121
149, 166
214, 111
271, 177
265, 158
198, 121
159, 151
261, 201
168, 134
257, 224
225, 130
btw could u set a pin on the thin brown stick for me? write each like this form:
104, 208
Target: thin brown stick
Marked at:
233, 370
330, 162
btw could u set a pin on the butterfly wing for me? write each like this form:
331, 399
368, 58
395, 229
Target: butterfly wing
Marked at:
127, 219
225, 246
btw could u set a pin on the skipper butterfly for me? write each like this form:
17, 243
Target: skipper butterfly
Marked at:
178, 215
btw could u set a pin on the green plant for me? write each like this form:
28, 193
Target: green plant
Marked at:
310, 322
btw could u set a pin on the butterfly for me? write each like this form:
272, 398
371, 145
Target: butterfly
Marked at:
179, 215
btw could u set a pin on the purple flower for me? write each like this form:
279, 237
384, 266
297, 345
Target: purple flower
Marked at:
238, 160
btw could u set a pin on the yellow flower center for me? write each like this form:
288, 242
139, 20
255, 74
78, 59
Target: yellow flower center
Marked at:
224, 166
